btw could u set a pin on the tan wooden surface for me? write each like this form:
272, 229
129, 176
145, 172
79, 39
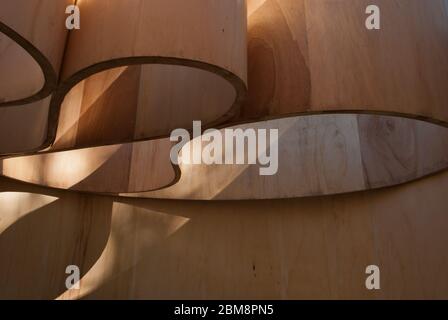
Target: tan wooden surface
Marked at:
195, 69
315, 56
113, 169
139, 102
21, 75
317, 155
289, 249
32, 41
304, 57
322, 155
23, 128
197, 56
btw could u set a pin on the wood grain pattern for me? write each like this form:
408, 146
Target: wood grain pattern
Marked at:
140, 102
199, 67
32, 41
194, 69
322, 155
21, 75
112, 169
317, 155
23, 128
135, 88
305, 57
315, 248
317, 56
38, 26
212, 32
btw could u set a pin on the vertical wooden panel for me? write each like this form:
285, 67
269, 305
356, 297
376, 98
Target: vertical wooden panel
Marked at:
290, 249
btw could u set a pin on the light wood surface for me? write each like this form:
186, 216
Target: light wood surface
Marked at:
315, 248
134, 88
21, 75
305, 57
139, 102
32, 41
212, 32
194, 70
194, 67
318, 56
317, 155
24, 128
322, 155
113, 169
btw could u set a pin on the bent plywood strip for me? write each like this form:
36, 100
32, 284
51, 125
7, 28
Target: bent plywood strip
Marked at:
181, 61
32, 42
305, 57
141, 102
322, 155
111, 169
134, 249
315, 56
137, 88
318, 155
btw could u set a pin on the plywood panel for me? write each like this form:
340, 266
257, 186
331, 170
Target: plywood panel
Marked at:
139, 102
23, 128
289, 249
315, 56
38, 26
21, 76
112, 169
320, 155
150, 84
193, 67
304, 57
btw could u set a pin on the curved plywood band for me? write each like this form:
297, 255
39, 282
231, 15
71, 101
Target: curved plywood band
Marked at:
320, 155
318, 56
141, 102
131, 167
31, 49
176, 61
317, 155
208, 31
305, 57
138, 88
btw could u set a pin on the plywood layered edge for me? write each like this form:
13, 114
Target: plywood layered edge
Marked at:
292, 72
41, 32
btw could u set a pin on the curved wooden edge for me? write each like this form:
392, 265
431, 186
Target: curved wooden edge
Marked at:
80, 62
294, 53
238, 85
322, 155
49, 74
38, 27
134, 249
110, 169
105, 145
203, 35
318, 57
211, 32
